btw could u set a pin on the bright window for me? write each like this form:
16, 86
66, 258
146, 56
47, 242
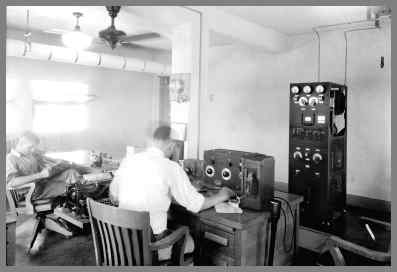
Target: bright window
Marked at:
59, 106
11, 89
12, 118
59, 92
12, 114
56, 118
179, 112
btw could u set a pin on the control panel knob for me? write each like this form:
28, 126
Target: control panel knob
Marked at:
319, 89
317, 157
307, 89
303, 101
226, 174
313, 101
295, 89
210, 171
298, 155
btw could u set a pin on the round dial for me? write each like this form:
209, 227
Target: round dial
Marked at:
319, 89
313, 101
294, 89
317, 157
298, 155
210, 171
226, 174
307, 89
303, 101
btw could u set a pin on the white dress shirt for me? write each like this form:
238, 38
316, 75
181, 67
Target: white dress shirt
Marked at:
147, 181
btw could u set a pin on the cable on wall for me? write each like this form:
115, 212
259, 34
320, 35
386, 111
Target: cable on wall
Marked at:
319, 54
346, 44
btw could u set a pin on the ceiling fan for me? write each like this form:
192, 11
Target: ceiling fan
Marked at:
112, 36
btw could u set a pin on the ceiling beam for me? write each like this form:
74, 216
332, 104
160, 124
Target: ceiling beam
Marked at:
97, 46
247, 32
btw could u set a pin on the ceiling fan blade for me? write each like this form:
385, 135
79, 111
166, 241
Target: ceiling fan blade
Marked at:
140, 37
56, 31
132, 45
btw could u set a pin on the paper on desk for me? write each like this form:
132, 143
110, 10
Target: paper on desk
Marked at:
226, 207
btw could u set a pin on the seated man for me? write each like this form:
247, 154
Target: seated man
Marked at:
24, 164
146, 181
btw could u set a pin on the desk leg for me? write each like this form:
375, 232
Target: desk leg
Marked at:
197, 256
297, 224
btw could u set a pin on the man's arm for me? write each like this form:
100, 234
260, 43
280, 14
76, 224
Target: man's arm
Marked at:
186, 195
22, 180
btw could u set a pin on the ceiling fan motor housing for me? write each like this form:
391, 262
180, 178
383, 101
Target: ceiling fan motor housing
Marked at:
111, 35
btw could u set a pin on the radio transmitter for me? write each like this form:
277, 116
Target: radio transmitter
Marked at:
317, 150
250, 175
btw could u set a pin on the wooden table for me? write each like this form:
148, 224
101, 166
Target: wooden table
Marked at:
349, 234
238, 239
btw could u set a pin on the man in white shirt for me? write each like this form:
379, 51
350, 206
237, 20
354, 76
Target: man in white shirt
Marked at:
147, 181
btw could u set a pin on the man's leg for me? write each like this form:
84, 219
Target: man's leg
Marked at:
56, 185
165, 254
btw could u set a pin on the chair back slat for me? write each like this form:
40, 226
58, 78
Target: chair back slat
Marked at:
128, 246
97, 243
108, 247
146, 237
103, 246
11, 203
136, 248
119, 242
112, 239
121, 237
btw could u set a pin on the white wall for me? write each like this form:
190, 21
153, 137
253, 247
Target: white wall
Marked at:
120, 115
247, 106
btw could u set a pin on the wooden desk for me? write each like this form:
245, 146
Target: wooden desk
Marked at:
10, 237
238, 239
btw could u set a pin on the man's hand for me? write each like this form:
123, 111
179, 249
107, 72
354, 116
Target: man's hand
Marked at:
226, 193
45, 173
223, 194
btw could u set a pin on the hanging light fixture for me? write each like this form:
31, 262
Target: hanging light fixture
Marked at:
76, 39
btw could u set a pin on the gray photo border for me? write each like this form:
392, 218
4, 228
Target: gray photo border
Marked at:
3, 24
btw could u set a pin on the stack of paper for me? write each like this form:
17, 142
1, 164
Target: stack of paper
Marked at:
227, 207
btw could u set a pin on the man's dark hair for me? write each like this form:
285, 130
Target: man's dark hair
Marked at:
30, 136
162, 133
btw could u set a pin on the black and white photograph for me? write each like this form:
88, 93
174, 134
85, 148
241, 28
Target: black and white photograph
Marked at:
197, 135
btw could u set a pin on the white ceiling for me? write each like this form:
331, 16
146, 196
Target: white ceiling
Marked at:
95, 19
297, 19
288, 20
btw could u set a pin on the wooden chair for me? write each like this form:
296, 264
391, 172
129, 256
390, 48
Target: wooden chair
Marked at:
334, 244
19, 200
123, 238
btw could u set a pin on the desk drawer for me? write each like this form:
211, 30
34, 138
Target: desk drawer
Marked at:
217, 242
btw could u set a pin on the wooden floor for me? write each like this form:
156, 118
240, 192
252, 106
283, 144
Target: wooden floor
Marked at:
52, 249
